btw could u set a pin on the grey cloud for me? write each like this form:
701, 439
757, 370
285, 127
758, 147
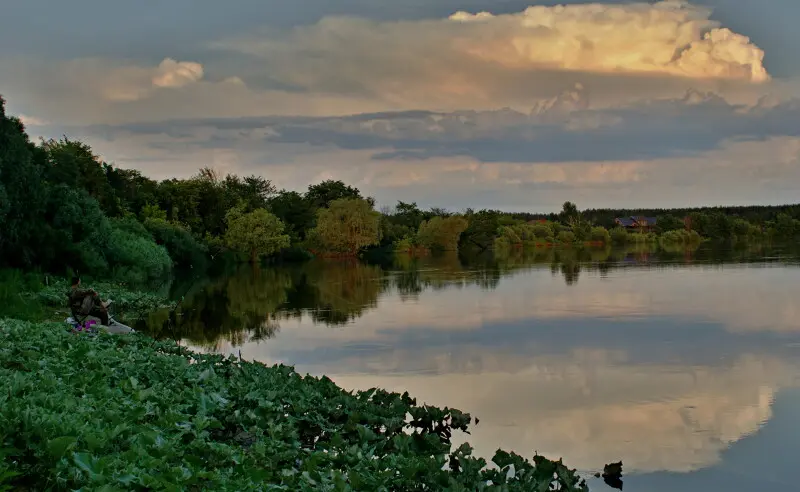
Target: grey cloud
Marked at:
653, 129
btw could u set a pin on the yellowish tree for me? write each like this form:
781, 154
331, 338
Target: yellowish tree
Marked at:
258, 233
442, 233
347, 225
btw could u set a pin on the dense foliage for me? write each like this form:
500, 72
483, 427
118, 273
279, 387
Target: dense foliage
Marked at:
257, 233
347, 225
128, 413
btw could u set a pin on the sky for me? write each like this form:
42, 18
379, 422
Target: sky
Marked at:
506, 104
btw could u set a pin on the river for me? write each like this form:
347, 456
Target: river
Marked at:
683, 365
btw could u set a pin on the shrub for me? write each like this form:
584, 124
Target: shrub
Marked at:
566, 237
525, 232
77, 232
619, 235
183, 248
404, 245
544, 232
129, 413
600, 234
510, 235
136, 259
642, 238
502, 243
680, 236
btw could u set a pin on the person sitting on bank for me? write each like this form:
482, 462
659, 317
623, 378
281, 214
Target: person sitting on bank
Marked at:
86, 302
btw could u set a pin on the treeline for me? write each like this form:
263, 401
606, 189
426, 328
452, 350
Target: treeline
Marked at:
605, 216
64, 210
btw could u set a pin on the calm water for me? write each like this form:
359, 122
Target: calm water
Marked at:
684, 366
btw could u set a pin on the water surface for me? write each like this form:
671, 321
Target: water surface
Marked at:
684, 366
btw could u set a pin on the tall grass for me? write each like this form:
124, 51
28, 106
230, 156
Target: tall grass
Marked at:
14, 301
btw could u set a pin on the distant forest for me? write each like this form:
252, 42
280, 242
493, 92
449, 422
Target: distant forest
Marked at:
605, 216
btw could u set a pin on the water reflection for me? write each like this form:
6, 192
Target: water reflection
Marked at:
251, 304
673, 362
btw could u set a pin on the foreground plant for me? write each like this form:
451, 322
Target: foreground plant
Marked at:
130, 413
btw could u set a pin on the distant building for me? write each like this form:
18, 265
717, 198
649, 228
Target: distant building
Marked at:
636, 222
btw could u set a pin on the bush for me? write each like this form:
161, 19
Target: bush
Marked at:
136, 259
128, 413
525, 232
642, 238
77, 232
619, 235
502, 243
183, 248
566, 237
680, 236
14, 303
510, 235
544, 232
404, 245
600, 234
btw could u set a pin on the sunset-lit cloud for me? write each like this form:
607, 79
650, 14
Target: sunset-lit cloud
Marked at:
477, 56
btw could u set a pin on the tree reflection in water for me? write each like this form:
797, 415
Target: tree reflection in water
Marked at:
250, 303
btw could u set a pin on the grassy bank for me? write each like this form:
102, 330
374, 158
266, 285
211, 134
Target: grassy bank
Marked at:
38, 297
130, 413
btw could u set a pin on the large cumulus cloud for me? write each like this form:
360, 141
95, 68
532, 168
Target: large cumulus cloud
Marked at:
478, 56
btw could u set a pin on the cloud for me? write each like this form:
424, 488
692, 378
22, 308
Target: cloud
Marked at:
672, 393
346, 65
174, 74
444, 62
670, 37
133, 83
598, 406
341, 98
559, 129
32, 120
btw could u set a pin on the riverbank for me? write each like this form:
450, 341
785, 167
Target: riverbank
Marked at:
31, 296
132, 413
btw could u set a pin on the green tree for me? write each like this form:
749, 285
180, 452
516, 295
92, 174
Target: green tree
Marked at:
253, 191
619, 235
482, 229
74, 164
22, 194
784, 227
669, 222
566, 237
321, 195
441, 233
151, 211
257, 233
295, 211
543, 232
408, 214
569, 213
601, 235
347, 226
